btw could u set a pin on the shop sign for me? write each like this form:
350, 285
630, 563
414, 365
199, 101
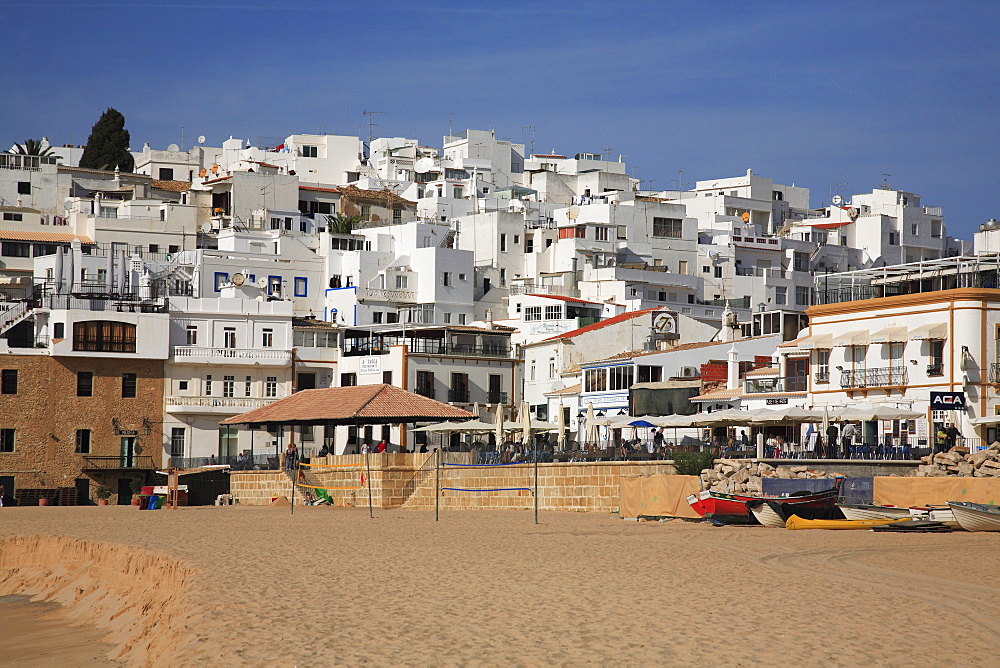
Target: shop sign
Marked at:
948, 401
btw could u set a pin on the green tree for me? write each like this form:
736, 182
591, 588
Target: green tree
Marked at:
107, 146
341, 224
31, 147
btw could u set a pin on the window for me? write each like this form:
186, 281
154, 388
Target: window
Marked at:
529, 245
800, 261
896, 355
461, 318
858, 357
85, 384
129, 385
13, 216
602, 233
301, 286
462, 277
310, 151
822, 366
247, 387
532, 313
166, 174
682, 267
397, 216
913, 229
229, 386
8, 381
803, 295
177, 435
182, 385
348, 379
274, 285
622, 231
531, 374
447, 318
503, 243
780, 295
192, 335
936, 366
894, 238
6, 440
650, 374
402, 282
671, 228
228, 441
267, 338
456, 193
553, 312
503, 277
366, 212
15, 249
229, 337
595, 380
271, 387
446, 278
620, 377
221, 278
718, 271
387, 377
208, 385
104, 336
24, 187
425, 383
552, 367
83, 441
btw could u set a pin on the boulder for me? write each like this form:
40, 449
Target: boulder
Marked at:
966, 469
960, 449
990, 464
977, 458
784, 472
741, 476
799, 469
764, 467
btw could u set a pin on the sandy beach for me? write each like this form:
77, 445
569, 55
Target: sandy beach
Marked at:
330, 586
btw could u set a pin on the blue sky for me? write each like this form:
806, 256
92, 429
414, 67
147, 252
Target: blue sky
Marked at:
811, 93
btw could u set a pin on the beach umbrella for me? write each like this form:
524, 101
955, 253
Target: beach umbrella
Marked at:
877, 413
498, 425
439, 427
70, 272
825, 426
120, 279
58, 274
591, 424
786, 414
525, 423
109, 274
561, 425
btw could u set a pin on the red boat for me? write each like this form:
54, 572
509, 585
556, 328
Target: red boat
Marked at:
723, 508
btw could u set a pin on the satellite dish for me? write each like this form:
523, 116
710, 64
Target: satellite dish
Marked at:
423, 165
67, 205
745, 217
206, 227
261, 283
202, 172
215, 168
573, 212
201, 139
237, 279
173, 147
837, 200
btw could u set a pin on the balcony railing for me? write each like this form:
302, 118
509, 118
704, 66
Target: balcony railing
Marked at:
459, 396
884, 377
425, 392
782, 384
496, 398
937, 369
383, 295
822, 377
235, 355
237, 404
110, 462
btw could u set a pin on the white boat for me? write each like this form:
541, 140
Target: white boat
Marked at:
976, 516
868, 512
766, 516
935, 514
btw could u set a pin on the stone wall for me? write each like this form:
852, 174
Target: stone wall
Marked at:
409, 480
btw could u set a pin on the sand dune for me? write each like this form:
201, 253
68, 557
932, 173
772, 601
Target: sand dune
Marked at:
330, 586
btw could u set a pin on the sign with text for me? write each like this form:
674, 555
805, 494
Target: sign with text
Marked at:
370, 365
948, 401
778, 401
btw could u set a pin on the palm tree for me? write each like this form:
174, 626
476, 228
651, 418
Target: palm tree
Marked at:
31, 147
341, 224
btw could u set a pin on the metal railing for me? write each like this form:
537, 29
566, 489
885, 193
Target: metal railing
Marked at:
425, 392
110, 462
242, 403
257, 462
235, 354
780, 384
938, 369
995, 372
883, 377
459, 396
822, 377
496, 397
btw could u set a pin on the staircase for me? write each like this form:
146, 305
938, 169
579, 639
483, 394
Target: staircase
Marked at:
15, 314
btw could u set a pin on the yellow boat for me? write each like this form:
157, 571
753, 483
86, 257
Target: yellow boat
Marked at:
796, 522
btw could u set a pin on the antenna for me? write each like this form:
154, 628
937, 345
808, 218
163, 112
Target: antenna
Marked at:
183, 137
371, 123
451, 115
532, 128
885, 182
607, 153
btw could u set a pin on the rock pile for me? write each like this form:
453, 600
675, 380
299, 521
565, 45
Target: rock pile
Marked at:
733, 476
959, 461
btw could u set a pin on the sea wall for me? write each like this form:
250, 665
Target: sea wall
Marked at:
409, 480
110, 586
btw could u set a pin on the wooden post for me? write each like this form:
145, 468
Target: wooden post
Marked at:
371, 510
437, 484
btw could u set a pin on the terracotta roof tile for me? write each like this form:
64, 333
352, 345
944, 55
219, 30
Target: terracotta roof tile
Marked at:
363, 404
53, 237
561, 298
172, 186
572, 389
622, 317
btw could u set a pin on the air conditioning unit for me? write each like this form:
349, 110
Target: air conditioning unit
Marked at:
689, 371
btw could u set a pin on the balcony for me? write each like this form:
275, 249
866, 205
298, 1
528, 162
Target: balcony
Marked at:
937, 369
459, 396
264, 357
995, 372
425, 392
781, 384
382, 295
214, 405
867, 378
822, 377
496, 398
117, 462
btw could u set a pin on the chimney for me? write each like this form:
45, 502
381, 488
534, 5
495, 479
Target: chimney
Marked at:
489, 318
733, 376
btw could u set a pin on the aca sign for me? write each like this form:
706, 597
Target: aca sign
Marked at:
948, 401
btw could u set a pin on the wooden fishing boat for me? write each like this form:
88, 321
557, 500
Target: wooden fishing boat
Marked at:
976, 516
725, 508
942, 514
853, 511
796, 522
774, 513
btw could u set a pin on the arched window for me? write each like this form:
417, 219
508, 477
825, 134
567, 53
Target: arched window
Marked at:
104, 336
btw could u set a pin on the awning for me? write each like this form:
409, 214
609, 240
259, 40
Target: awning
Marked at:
817, 342
890, 335
990, 419
857, 338
936, 330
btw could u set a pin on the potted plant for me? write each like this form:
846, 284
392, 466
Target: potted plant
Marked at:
103, 493
135, 485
